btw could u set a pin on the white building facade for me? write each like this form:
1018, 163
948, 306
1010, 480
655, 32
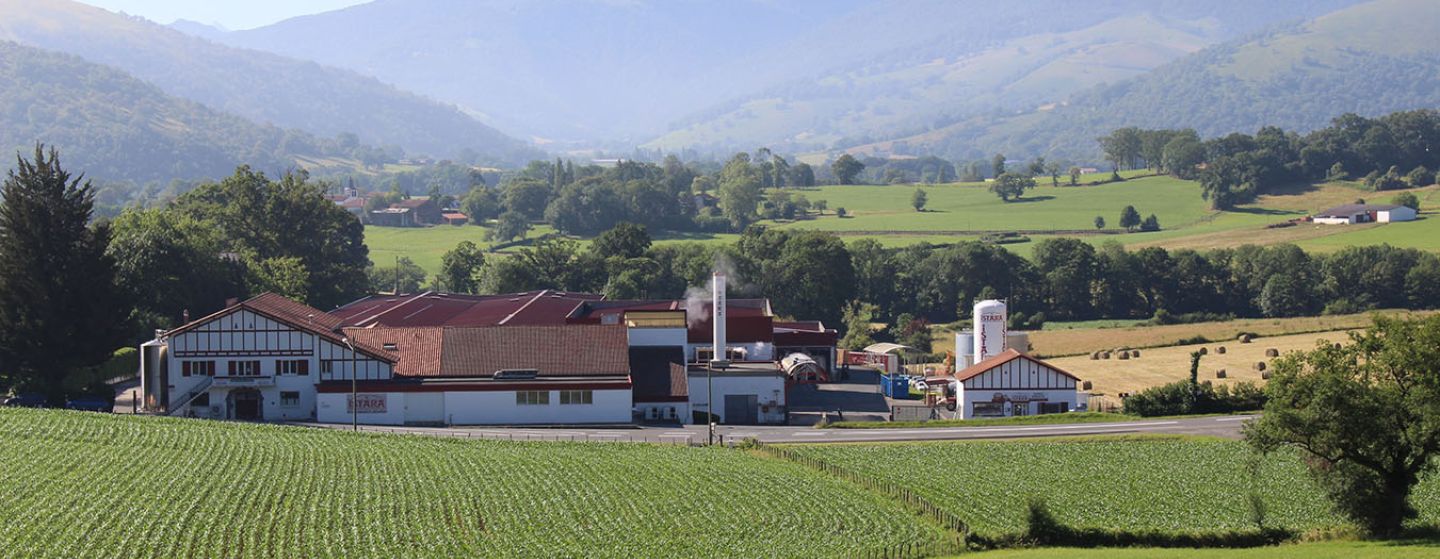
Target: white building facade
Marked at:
1013, 384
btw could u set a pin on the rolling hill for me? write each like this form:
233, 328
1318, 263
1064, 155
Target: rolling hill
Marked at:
114, 127
623, 73
1369, 59
259, 86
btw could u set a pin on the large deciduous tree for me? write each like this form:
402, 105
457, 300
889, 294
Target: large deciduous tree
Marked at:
275, 225
60, 310
460, 268
1366, 416
846, 168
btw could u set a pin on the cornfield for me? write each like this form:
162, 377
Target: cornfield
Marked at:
88, 485
1162, 484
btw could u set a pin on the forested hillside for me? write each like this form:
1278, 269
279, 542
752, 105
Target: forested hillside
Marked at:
1370, 59
601, 70
114, 127
262, 87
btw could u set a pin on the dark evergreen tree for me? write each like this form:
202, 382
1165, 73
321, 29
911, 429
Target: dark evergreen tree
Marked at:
60, 310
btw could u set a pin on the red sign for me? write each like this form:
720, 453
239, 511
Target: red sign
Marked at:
369, 403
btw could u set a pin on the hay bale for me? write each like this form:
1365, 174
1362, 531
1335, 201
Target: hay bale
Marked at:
1204, 351
1135, 353
1272, 352
1095, 356
1220, 350
1124, 355
1085, 386
1265, 375
1245, 338
1105, 355
1220, 373
1260, 365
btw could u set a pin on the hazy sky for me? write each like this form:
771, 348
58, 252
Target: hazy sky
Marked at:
232, 14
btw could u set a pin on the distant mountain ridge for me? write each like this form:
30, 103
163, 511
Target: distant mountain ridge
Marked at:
113, 127
260, 86
1370, 59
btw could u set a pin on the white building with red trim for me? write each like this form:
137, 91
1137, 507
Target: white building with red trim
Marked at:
1014, 384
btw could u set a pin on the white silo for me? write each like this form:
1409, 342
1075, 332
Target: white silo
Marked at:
989, 322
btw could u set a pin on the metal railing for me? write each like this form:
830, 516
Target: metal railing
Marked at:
190, 396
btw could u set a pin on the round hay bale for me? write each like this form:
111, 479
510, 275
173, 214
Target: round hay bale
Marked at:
1105, 355
1204, 351
1085, 385
1245, 338
1220, 350
1095, 356
1272, 352
1124, 355
1260, 365
1265, 375
1134, 353
1220, 373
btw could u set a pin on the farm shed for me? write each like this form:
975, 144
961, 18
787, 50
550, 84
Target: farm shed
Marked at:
1014, 384
1364, 213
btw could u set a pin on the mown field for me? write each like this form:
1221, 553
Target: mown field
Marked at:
963, 211
85, 485
1162, 483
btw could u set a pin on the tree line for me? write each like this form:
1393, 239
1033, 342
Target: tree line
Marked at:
1398, 150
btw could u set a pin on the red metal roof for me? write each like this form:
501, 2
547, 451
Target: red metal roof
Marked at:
535, 308
1001, 359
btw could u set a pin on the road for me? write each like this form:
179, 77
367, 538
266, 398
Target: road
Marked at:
1225, 426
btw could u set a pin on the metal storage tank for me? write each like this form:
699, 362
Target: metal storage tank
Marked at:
964, 349
989, 321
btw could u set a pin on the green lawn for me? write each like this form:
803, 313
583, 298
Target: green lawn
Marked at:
1322, 550
77, 484
1123, 483
427, 245
1423, 234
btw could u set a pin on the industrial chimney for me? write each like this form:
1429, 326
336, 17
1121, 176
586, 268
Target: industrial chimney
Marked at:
989, 322
717, 286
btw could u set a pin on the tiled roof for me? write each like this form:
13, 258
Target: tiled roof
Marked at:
1000, 359
659, 374
573, 350
416, 350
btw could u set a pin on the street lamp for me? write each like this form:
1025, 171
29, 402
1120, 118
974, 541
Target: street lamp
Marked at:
354, 396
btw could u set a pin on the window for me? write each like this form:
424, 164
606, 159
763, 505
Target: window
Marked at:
532, 398
1054, 407
197, 368
299, 367
327, 366
244, 368
988, 409
571, 397
289, 399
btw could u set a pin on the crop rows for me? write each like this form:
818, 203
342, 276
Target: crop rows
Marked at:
82, 485
1163, 484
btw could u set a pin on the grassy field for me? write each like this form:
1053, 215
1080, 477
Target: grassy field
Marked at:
1320, 550
962, 211
1168, 484
1048, 419
1169, 364
1080, 341
74, 484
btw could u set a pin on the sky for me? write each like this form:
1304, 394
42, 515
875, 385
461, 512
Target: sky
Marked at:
230, 14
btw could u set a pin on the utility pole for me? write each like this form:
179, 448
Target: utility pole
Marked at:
354, 388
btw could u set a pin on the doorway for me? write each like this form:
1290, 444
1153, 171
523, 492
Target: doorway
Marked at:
1018, 409
247, 405
742, 409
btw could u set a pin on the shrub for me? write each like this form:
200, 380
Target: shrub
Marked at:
1184, 398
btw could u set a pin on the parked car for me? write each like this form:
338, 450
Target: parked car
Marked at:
91, 403
25, 400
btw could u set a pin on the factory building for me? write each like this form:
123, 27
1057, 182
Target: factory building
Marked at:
543, 357
997, 379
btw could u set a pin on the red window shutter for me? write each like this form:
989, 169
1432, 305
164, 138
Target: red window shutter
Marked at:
232, 367
184, 368
304, 367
